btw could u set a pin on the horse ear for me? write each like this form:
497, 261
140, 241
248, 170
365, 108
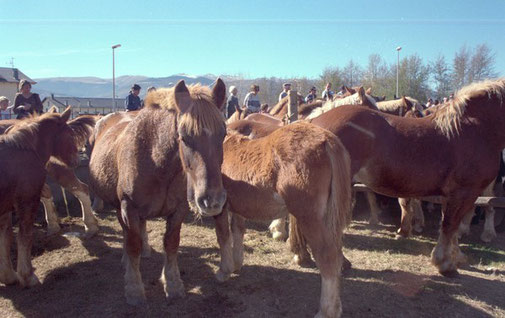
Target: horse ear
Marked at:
361, 93
66, 114
52, 110
219, 93
347, 89
368, 91
182, 98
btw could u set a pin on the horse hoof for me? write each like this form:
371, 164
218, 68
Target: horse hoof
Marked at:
135, 297
279, 236
9, 279
401, 234
418, 228
487, 236
222, 276
373, 221
451, 273
146, 252
30, 281
175, 294
53, 229
90, 231
346, 265
304, 262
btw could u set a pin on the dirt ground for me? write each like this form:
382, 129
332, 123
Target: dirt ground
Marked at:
389, 277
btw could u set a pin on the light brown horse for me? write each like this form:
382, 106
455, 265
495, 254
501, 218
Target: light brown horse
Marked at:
299, 169
137, 166
66, 178
24, 151
434, 155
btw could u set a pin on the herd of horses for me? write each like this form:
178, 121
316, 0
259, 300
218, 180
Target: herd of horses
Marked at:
178, 154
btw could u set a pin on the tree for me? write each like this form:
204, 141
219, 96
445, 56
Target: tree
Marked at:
460, 66
413, 77
441, 77
331, 75
378, 76
481, 64
351, 74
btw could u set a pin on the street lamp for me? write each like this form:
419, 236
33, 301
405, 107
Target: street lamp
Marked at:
114, 79
397, 68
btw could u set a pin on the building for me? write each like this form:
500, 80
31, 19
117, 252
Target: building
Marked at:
9, 80
81, 105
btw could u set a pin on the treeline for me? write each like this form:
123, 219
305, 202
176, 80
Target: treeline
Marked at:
417, 78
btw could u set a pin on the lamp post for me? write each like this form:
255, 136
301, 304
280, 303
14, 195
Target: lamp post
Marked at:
114, 78
397, 68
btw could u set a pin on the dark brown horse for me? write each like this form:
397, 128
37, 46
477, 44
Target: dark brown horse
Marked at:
299, 169
24, 151
434, 155
137, 166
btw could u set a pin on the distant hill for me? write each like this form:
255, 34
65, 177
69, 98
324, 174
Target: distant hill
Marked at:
99, 87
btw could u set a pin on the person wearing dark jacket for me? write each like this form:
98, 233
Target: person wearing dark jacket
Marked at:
232, 104
133, 100
26, 102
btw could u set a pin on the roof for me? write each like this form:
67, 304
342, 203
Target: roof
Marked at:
13, 75
82, 101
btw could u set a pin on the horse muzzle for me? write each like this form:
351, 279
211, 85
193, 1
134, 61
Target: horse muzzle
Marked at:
211, 205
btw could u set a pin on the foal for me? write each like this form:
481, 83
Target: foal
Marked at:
298, 169
24, 152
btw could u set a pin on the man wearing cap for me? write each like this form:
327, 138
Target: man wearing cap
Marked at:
133, 100
311, 96
284, 93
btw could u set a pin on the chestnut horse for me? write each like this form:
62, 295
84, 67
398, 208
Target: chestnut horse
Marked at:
66, 178
298, 169
24, 151
409, 157
142, 166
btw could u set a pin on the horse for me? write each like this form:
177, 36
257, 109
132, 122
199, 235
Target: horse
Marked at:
390, 155
298, 169
66, 178
397, 107
239, 114
167, 156
24, 151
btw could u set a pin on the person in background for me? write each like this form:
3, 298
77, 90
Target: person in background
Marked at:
4, 103
133, 100
232, 103
26, 102
436, 102
429, 103
284, 93
451, 97
264, 109
445, 100
251, 100
311, 96
327, 93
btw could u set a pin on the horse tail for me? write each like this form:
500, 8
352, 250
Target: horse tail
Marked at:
338, 208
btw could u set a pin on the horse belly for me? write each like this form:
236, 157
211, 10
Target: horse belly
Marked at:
261, 206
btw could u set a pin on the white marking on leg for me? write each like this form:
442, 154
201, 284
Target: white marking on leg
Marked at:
51, 216
171, 278
90, 222
489, 232
134, 288
278, 229
330, 305
227, 266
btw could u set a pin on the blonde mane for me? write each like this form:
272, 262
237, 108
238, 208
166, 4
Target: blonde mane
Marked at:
391, 105
354, 99
448, 117
203, 114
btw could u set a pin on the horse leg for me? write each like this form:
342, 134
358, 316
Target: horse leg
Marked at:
298, 244
374, 208
328, 255
97, 205
464, 226
26, 214
489, 233
278, 229
238, 231
7, 273
146, 248
130, 221
416, 206
407, 216
81, 192
446, 255
46, 198
224, 239
171, 277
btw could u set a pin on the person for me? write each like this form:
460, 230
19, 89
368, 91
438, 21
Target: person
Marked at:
284, 93
232, 103
4, 103
311, 96
251, 100
429, 103
26, 102
264, 109
327, 93
445, 100
451, 97
436, 102
133, 100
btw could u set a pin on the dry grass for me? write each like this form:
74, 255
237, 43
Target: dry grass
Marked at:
389, 278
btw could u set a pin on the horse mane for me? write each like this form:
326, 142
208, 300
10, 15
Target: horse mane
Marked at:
82, 127
203, 114
448, 117
354, 99
306, 109
391, 105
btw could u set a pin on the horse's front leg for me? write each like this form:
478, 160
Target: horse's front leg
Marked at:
7, 273
26, 214
374, 208
238, 231
406, 220
224, 239
171, 277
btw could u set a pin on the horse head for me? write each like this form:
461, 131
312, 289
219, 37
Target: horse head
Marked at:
201, 131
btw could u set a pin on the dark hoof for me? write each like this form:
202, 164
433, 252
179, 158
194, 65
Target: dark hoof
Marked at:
450, 273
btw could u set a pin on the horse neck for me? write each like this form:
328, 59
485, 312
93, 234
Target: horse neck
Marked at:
490, 116
43, 141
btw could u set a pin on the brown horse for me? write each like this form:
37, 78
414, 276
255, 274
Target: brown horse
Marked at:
299, 169
24, 151
434, 155
66, 178
142, 166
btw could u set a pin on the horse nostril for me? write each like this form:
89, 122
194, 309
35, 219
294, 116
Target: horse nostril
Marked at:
204, 202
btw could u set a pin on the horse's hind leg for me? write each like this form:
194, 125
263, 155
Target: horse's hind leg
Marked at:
489, 232
26, 214
7, 273
130, 221
224, 239
278, 229
238, 231
298, 244
374, 208
46, 198
464, 226
415, 205
171, 277
407, 216
81, 191
146, 248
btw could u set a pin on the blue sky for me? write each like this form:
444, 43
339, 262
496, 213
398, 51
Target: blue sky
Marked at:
249, 38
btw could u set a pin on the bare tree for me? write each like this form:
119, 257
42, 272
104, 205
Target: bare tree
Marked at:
481, 64
331, 75
377, 76
461, 67
352, 74
441, 77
